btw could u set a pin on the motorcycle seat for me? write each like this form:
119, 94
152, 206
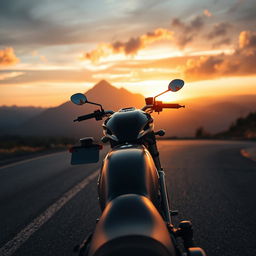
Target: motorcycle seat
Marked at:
131, 225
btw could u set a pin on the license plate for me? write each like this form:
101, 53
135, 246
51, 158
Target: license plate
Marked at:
84, 155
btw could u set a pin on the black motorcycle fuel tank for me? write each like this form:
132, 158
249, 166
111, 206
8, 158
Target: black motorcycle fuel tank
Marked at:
126, 124
128, 169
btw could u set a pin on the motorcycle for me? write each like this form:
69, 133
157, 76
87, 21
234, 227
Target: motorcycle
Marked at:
136, 217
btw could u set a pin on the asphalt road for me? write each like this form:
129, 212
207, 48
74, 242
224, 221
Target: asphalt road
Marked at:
48, 206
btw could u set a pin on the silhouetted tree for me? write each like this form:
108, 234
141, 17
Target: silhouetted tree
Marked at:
243, 127
201, 133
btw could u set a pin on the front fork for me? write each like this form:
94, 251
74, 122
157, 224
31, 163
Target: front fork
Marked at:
152, 147
184, 230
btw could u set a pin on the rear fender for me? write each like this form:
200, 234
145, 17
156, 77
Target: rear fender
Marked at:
131, 226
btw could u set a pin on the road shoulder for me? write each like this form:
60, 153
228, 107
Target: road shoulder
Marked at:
14, 160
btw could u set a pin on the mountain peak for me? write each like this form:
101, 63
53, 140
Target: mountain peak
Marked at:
103, 84
104, 87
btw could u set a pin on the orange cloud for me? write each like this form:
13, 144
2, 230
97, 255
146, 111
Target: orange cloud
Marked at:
130, 47
7, 75
207, 13
241, 62
247, 39
41, 57
7, 57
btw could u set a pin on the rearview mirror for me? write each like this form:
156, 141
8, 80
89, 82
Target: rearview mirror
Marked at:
175, 85
78, 99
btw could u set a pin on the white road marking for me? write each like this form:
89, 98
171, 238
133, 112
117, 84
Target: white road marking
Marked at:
29, 160
10, 247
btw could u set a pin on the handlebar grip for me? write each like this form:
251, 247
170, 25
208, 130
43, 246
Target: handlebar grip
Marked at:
81, 118
171, 105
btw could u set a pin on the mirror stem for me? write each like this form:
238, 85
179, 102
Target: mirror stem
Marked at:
160, 94
96, 104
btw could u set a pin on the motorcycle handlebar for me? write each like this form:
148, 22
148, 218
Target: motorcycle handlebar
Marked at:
85, 117
171, 105
97, 114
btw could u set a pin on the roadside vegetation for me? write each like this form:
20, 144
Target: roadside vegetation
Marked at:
15, 146
242, 128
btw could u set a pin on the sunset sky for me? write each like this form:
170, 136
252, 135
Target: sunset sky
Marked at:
52, 49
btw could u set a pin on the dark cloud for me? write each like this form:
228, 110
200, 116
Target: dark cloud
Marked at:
16, 10
183, 40
242, 13
29, 23
176, 22
23, 24
186, 32
194, 25
224, 41
235, 6
219, 30
197, 23
248, 14
130, 47
202, 69
8, 57
241, 62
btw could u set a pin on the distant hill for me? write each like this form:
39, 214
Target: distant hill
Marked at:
215, 114
242, 128
59, 120
14, 116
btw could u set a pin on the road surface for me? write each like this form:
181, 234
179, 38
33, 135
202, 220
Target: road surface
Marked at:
48, 206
